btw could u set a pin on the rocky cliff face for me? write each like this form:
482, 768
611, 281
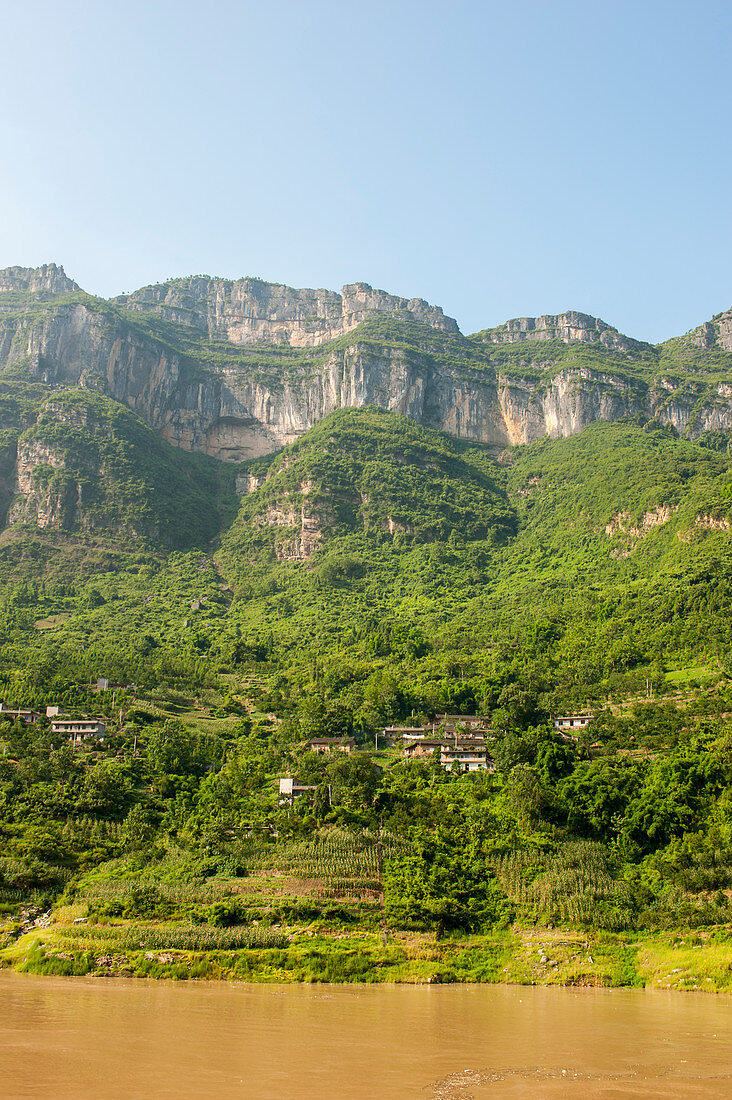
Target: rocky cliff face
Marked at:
240, 405
569, 328
43, 496
250, 311
716, 333
34, 280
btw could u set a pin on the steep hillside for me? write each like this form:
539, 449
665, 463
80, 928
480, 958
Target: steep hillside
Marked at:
372, 473
570, 569
77, 463
237, 369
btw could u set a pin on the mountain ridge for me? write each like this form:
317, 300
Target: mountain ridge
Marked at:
240, 368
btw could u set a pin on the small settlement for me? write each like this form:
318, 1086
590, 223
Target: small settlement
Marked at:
323, 745
30, 717
76, 730
458, 739
79, 730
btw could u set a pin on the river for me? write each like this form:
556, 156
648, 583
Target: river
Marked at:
126, 1039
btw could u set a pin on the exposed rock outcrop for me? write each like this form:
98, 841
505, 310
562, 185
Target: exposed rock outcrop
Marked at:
622, 522
306, 518
251, 311
49, 278
241, 404
570, 328
44, 493
714, 333
704, 522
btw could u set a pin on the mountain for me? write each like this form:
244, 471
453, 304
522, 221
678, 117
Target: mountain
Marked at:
564, 569
238, 369
375, 570
576, 562
90, 465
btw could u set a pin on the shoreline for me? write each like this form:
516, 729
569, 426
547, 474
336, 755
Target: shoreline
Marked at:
680, 961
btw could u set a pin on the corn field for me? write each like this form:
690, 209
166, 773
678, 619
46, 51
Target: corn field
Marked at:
341, 859
194, 937
85, 831
178, 894
185, 937
574, 885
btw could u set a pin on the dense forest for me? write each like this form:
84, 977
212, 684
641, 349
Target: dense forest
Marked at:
376, 572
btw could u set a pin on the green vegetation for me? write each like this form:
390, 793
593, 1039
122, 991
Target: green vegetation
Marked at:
381, 573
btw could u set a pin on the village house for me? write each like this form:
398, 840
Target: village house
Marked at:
415, 750
79, 730
407, 733
468, 722
291, 788
569, 725
470, 755
572, 721
332, 744
27, 716
105, 684
466, 725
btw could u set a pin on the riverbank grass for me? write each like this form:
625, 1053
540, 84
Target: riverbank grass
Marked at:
522, 956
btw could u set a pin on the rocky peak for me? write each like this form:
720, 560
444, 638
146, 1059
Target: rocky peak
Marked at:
49, 278
715, 333
570, 328
251, 311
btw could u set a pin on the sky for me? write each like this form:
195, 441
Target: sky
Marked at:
498, 159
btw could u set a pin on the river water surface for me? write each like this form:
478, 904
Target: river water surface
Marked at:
119, 1039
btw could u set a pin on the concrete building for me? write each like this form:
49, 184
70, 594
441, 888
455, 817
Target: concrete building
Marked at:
404, 733
332, 744
469, 722
470, 755
79, 730
27, 716
291, 788
415, 750
567, 725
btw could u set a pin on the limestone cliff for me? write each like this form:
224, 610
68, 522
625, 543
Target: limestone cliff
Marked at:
251, 311
714, 334
569, 328
49, 279
238, 369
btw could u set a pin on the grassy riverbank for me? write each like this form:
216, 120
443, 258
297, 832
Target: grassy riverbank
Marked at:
699, 961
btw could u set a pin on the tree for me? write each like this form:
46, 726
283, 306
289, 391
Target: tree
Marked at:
443, 883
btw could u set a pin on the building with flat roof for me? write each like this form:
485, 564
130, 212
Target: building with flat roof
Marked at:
79, 730
425, 746
27, 716
404, 733
332, 744
470, 755
291, 788
466, 721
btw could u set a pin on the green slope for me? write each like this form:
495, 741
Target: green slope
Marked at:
377, 569
388, 568
576, 567
92, 469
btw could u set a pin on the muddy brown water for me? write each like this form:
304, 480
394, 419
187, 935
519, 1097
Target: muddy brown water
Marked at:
97, 1039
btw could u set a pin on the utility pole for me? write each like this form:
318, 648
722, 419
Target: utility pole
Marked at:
380, 863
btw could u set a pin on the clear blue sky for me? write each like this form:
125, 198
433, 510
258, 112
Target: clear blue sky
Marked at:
498, 159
